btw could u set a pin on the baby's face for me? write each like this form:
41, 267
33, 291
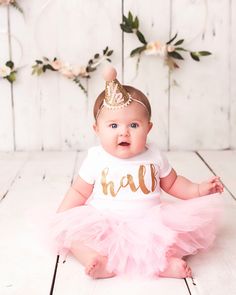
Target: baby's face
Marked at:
123, 132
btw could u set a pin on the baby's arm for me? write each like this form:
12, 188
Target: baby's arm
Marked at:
77, 195
183, 188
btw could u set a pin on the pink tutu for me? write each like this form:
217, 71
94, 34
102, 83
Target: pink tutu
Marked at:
140, 242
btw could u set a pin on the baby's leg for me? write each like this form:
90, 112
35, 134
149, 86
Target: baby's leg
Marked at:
94, 263
176, 268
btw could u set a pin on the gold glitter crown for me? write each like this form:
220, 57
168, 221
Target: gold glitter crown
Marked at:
116, 96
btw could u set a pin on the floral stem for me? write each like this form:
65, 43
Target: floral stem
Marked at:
98, 62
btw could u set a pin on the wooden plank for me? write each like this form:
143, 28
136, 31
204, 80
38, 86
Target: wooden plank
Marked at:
16, 50
72, 280
152, 76
74, 108
200, 101
141, 286
6, 134
6, 122
10, 166
213, 271
232, 68
88, 21
223, 163
25, 212
38, 107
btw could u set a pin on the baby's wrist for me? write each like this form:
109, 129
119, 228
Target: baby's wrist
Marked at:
199, 190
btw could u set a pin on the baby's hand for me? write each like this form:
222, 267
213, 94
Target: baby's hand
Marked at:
211, 186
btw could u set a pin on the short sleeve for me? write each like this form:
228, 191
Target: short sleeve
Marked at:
165, 167
86, 171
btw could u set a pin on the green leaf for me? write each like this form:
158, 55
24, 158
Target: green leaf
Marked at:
136, 23
49, 67
137, 50
141, 37
12, 77
44, 68
39, 71
34, 71
175, 55
179, 42
204, 53
96, 55
10, 64
16, 5
194, 56
125, 19
172, 39
77, 81
38, 61
105, 50
130, 18
108, 59
126, 28
109, 53
180, 49
90, 69
128, 24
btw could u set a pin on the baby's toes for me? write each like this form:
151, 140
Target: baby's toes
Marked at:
188, 271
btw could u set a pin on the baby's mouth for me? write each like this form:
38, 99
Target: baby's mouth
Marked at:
124, 143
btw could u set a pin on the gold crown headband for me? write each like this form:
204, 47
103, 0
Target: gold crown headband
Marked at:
116, 97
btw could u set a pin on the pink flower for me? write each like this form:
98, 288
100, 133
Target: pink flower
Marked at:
170, 48
5, 71
76, 70
156, 48
56, 64
67, 72
6, 2
79, 71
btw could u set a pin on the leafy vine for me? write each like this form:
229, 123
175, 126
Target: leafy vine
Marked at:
73, 72
13, 3
170, 51
8, 71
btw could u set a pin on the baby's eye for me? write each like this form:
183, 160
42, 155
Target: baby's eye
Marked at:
134, 125
113, 125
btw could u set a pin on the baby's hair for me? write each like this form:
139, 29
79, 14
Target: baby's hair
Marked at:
135, 94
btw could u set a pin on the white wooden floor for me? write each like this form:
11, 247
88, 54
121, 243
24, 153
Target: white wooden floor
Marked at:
31, 187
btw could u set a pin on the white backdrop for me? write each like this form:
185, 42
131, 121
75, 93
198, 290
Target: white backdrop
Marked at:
194, 107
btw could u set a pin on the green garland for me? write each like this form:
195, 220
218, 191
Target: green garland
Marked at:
12, 3
75, 73
169, 51
8, 71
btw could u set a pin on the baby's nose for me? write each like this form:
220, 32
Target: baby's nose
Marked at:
124, 131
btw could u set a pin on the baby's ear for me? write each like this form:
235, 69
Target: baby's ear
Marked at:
95, 127
150, 126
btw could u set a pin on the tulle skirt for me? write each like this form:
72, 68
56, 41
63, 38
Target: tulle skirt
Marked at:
140, 241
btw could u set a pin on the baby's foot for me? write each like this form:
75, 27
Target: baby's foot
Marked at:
97, 268
177, 268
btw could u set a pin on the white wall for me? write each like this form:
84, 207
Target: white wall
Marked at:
194, 107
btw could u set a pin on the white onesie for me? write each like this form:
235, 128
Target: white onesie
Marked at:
120, 182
